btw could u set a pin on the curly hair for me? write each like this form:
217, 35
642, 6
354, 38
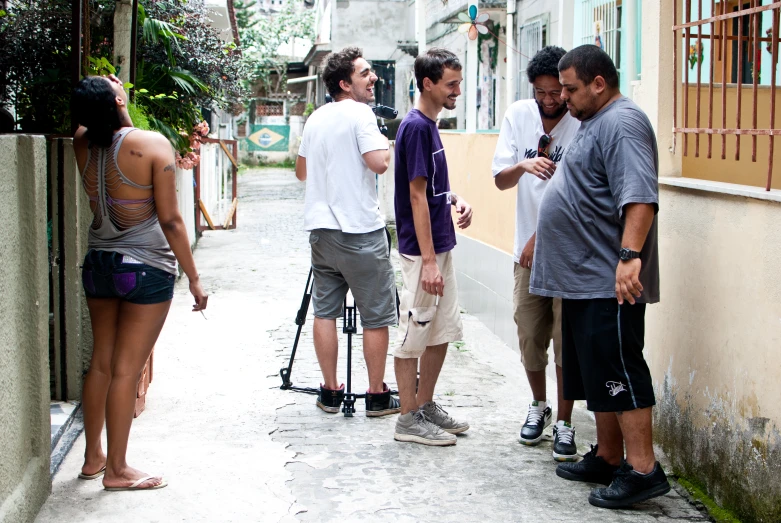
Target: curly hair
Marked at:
432, 65
545, 63
95, 107
339, 66
589, 62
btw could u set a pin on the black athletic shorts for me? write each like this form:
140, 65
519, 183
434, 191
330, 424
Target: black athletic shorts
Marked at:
602, 355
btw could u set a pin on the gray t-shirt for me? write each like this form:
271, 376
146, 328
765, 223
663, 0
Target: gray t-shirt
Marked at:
611, 162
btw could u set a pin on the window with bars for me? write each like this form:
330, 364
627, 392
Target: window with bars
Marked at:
531, 38
384, 89
729, 72
601, 26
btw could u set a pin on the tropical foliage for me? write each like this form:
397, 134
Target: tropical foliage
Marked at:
262, 36
35, 59
182, 65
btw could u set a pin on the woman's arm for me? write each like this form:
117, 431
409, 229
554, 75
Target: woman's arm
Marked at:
164, 187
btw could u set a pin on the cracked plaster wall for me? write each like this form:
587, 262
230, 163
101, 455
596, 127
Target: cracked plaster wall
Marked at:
24, 352
712, 345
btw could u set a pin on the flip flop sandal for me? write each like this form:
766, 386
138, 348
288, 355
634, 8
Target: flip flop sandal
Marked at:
92, 476
135, 485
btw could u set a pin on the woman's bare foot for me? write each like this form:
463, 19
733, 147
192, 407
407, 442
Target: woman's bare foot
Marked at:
128, 476
93, 464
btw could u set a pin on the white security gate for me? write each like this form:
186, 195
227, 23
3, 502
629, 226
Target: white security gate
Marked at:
530, 42
601, 26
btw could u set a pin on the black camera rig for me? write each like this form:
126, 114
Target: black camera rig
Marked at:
383, 112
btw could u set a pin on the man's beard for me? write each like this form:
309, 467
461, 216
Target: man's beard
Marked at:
559, 111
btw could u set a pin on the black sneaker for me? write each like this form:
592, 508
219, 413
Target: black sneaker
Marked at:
330, 400
536, 421
591, 469
630, 487
381, 404
564, 448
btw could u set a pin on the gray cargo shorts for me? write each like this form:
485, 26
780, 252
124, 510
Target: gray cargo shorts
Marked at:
360, 263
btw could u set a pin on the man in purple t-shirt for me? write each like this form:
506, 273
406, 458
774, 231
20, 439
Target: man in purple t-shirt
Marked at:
429, 316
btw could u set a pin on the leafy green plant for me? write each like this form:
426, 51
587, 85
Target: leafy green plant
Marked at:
139, 117
262, 37
183, 66
35, 44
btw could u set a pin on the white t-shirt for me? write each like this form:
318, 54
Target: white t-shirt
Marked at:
341, 191
518, 139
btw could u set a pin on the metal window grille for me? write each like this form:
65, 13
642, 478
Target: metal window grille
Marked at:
529, 44
736, 22
601, 26
384, 89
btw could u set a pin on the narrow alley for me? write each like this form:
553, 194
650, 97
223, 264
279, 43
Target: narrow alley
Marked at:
236, 448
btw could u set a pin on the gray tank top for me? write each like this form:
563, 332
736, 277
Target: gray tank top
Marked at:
129, 227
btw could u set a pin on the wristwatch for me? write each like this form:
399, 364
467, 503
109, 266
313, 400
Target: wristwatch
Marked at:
627, 254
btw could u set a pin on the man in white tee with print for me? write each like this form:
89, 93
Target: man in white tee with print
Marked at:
341, 150
534, 137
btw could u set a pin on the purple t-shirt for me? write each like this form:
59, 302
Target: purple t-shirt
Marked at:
419, 152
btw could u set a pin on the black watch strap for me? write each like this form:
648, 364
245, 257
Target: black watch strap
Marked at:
627, 254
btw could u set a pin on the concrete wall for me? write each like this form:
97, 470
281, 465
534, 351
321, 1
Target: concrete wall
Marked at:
24, 374
712, 342
76, 220
712, 345
365, 23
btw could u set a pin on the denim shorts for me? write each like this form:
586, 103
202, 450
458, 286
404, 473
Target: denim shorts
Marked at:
107, 274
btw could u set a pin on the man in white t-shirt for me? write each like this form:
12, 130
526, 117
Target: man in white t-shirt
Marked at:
534, 136
341, 150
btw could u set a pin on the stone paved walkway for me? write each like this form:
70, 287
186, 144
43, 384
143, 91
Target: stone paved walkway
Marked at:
234, 447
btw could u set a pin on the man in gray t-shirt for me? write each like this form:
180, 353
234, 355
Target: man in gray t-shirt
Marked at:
597, 250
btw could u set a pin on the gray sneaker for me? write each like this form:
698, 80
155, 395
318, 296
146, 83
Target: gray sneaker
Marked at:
416, 428
439, 417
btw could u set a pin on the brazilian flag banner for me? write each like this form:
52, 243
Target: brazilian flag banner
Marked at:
269, 138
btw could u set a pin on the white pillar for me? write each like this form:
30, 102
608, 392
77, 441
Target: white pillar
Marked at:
471, 82
123, 20
630, 66
420, 33
510, 57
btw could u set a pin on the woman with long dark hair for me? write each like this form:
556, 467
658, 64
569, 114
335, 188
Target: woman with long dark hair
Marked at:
136, 238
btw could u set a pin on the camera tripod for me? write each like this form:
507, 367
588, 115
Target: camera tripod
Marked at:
349, 327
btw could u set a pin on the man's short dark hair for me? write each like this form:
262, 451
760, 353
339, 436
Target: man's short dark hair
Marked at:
589, 62
545, 63
432, 65
339, 66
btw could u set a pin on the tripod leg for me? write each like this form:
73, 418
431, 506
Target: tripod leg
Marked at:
285, 372
349, 327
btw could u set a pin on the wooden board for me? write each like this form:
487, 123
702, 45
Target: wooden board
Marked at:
231, 212
230, 156
206, 214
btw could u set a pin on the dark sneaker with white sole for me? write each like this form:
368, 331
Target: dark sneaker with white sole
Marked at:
591, 469
330, 400
564, 448
381, 403
538, 418
439, 417
630, 487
